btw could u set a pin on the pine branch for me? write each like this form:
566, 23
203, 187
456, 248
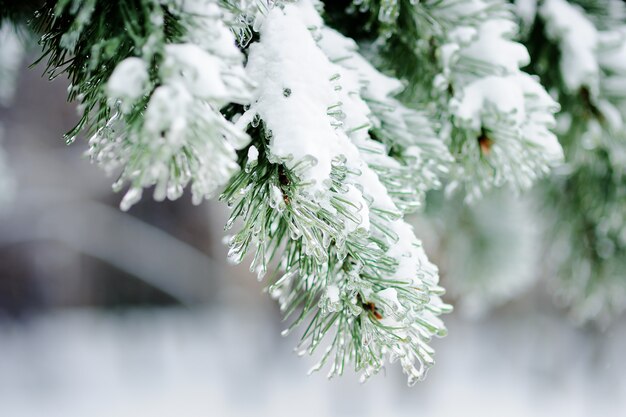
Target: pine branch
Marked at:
151, 93
316, 184
442, 48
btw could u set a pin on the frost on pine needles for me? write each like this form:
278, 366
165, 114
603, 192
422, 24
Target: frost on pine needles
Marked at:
420, 158
352, 268
318, 153
464, 67
157, 115
501, 116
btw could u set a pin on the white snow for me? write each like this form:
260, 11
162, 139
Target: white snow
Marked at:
390, 295
253, 154
462, 35
206, 8
184, 140
512, 95
310, 121
612, 54
502, 92
491, 92
407, 248
128, 82
288, 58
343, 50
567, 24
324, 116
166, 114
362, 85
491, 46
197, 69
526, 10
332, 292
541, 121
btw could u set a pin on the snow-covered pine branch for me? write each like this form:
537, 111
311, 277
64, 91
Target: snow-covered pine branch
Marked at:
156, 120
501, 116
420, 158
317, 152
460, 58
321, 181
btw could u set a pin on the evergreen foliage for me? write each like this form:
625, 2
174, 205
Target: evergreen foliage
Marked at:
323, 125
588, 194
461, 65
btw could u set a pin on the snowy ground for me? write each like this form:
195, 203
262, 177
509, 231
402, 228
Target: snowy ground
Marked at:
218, 362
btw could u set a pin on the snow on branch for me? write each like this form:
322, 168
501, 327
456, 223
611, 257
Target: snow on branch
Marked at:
321, 181
502, 118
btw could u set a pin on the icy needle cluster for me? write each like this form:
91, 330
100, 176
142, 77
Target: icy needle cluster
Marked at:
319, 182
152, 93
462, 63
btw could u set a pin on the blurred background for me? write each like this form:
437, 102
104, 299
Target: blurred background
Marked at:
106, 313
